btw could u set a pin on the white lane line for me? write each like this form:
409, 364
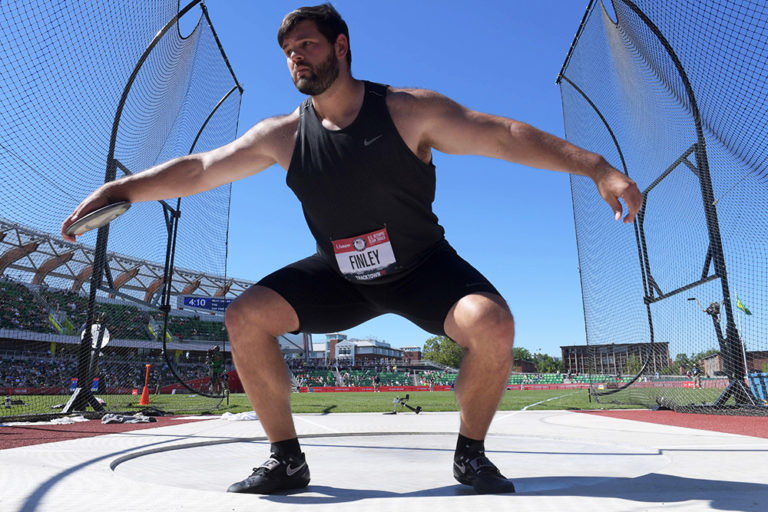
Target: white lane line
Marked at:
302, 418
515, 413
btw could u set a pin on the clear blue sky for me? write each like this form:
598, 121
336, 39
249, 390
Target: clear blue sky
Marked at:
514, 223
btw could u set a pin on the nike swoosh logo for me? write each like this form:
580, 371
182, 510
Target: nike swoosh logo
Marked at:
368, 142
291, 471
460, 466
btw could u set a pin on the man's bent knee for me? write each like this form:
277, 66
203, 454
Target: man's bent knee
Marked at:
259, 310
481, 318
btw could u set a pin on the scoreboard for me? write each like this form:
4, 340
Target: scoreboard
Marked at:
205, 303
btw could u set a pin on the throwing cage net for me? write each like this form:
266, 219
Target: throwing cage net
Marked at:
91, 92
674, 95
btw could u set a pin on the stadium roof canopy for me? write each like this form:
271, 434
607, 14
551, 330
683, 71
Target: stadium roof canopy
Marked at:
39, 258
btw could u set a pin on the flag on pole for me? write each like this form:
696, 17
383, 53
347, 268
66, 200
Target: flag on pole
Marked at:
741, 306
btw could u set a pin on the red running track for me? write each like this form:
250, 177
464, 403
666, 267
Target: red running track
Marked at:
26, 435
755, 426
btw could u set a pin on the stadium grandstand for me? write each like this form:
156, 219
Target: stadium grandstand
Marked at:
615, 358
41, 328
38, 320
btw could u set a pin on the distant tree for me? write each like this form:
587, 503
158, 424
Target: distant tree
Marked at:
633, 364
682, 360
702, 355
522, 354
547, 364
670, 370
443, 350
544, 363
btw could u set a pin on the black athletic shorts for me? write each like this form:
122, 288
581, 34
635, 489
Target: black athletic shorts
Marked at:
327, 302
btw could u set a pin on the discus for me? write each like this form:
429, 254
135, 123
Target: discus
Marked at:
98, 218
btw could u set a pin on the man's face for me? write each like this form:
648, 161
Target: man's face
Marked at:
311, 59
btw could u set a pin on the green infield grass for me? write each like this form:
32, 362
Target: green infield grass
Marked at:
437, 401
319, 403
325, 403
328, 403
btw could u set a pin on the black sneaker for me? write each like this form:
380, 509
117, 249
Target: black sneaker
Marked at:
479, 472
275, 475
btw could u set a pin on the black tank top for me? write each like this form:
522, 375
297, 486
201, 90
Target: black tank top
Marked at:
360, 180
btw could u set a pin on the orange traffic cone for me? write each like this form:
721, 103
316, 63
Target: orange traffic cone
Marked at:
145, 394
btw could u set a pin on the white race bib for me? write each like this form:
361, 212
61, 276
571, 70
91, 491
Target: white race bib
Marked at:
365, 257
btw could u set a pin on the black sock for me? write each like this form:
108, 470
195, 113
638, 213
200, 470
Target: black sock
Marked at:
466, 447
286, 448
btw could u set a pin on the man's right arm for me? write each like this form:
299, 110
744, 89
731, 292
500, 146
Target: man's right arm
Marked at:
265, 144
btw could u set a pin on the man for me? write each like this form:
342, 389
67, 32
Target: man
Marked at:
358, 155
696, 374
214, 359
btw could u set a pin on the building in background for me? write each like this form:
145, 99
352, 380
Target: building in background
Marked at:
757, 361
615, 358
338, 349
523, 366
411, 354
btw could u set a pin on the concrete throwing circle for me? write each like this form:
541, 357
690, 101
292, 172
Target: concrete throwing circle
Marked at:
360, 465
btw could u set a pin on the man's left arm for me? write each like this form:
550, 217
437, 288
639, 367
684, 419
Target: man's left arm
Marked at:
451, 128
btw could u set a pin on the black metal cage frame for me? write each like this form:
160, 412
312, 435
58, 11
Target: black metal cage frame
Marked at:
83, 396
714, 267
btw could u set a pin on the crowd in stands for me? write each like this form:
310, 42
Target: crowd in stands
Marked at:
67, 302
23, 309
116, 370
30, 308
19, 309
125, 321
193, 328
330, 375
39, 370
35, 372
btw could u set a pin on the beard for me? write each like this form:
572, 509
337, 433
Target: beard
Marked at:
323, 75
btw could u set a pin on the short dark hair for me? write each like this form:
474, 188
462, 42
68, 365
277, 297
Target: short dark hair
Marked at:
326, 18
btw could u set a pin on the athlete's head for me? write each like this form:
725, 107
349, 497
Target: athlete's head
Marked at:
326, 18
